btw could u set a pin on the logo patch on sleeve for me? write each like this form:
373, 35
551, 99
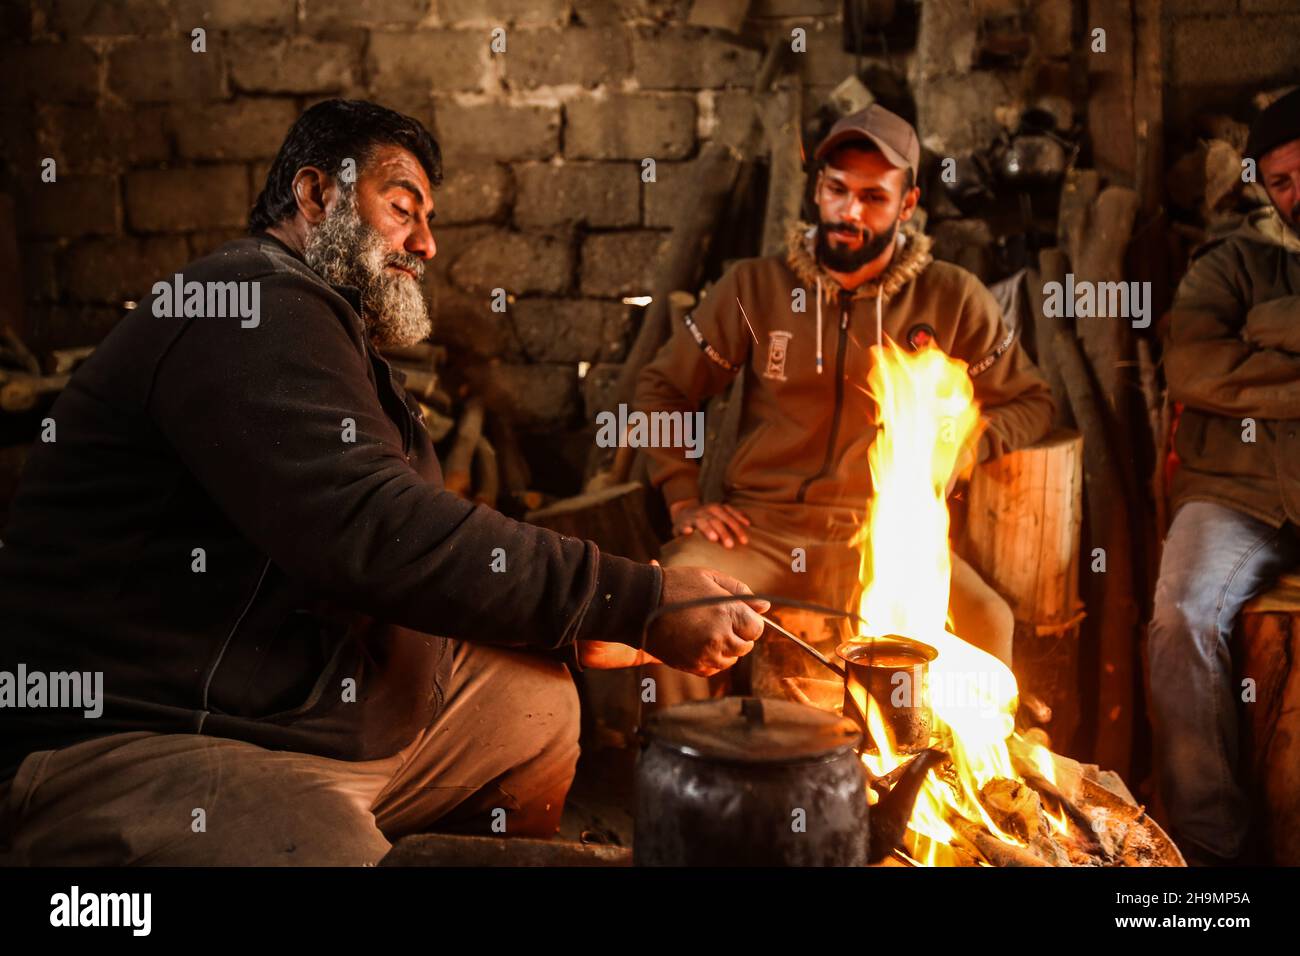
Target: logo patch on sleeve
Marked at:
714, 356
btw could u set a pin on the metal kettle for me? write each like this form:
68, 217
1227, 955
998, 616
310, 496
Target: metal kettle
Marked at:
744, 781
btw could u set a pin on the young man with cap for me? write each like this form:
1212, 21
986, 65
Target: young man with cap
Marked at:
800, 327
1233, 360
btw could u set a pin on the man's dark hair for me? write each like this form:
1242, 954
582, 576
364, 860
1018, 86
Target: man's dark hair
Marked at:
329, 133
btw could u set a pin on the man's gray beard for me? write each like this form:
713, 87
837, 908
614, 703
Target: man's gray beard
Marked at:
344, 250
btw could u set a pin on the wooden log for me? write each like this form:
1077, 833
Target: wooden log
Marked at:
516, 476
1025, 511
1269, 649
1111, 125
1097, 224
1052, 268
1157, 407
13, 347
1022, 533
446, 849
67, 360
991, 848
468, 432
1110, 593
1148, 106
780, 112
21, 392
489, 475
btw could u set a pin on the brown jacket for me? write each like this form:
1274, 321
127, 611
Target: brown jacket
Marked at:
1233, 355
803, 435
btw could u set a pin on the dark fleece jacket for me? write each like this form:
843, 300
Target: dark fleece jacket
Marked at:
322, 558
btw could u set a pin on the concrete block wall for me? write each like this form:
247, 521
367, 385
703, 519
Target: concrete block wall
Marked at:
1219, 53
160, 151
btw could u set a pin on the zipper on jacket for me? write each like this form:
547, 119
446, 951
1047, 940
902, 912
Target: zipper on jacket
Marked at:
215, 663
845, 302
407, 420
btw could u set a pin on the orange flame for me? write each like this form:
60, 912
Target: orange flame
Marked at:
928, 424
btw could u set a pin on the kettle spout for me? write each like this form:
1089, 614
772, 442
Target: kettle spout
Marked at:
889, 817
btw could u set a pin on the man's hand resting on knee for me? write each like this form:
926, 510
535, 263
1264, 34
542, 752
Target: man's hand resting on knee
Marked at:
699, 640
716, 521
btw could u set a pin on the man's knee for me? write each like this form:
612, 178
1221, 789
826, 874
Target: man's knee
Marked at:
556, 695
995, 625
182, 799
980, 615
532, 701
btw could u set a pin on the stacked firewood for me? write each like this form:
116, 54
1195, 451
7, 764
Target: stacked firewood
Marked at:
479, 451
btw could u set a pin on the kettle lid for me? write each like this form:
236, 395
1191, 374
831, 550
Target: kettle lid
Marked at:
753, 730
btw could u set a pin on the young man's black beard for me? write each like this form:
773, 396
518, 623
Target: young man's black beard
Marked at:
845, 260
344, 250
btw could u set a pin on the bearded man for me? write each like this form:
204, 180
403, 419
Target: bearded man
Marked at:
800, 327
239, 527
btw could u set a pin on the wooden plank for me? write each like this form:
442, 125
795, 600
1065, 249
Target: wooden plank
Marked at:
444, 849
1111, 127
1269, 646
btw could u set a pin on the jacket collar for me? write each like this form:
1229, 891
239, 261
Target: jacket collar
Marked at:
1268, 225
910, 260
350, 294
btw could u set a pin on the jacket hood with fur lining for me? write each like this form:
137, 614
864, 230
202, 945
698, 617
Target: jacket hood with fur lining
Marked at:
911, 258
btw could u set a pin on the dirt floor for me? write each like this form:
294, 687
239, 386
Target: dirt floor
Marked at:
601, 801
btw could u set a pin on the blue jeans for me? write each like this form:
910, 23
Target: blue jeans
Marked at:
1215, 560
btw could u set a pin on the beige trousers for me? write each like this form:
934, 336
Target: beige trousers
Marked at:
831, 577
503, 749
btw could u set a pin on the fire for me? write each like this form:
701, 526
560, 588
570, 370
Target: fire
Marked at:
928, 425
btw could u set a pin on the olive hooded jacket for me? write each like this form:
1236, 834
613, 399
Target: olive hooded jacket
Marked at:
808, 421
1233, 360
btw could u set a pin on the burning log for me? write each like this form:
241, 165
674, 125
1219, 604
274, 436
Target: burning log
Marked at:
989, 847
1018, 811
1048, 789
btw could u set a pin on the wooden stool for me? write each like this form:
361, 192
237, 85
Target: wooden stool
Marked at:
1268, 637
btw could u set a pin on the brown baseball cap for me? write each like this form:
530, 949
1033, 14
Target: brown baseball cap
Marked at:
889, 132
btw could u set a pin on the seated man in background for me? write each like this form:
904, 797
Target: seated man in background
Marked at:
241, 533
1233, 360
799, 477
